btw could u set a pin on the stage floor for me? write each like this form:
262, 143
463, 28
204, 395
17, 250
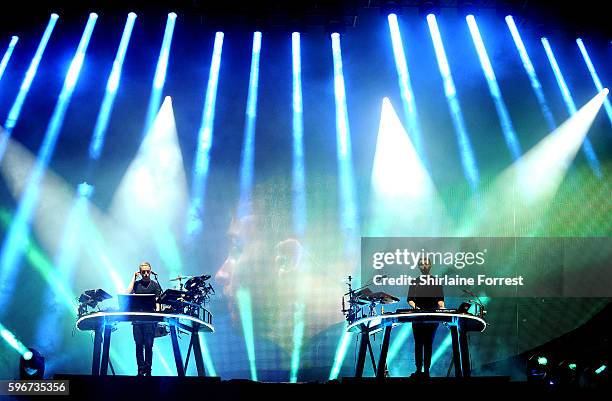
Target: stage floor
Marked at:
213, 388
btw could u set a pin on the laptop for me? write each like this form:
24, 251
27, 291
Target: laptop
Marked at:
136, 302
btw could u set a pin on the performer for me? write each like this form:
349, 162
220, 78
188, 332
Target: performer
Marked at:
144, 333
424, 297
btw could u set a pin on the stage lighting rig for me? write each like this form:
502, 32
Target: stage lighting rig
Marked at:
85, 189
31, 365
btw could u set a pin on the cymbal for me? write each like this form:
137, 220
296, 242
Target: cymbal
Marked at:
384, 298
363, 293
367, 295
179, 278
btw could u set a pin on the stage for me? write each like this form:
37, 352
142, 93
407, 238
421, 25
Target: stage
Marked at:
306, 197
166, 388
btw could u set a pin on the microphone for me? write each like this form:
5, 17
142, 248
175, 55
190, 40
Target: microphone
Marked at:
153, 273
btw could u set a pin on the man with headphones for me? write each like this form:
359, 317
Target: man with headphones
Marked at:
426, 297
144, 333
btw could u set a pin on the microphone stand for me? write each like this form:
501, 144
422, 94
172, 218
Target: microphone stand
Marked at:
160, 289
157, 281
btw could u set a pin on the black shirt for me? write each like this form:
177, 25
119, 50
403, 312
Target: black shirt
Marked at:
425, 296
151, 288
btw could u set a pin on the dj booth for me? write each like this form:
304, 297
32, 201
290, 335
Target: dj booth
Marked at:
103, 323
177, 309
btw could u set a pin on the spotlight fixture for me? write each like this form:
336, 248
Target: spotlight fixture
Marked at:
467, 7
390, 7
566, 373
504, 8
334, 26
595, 375
429, 7
538, 369
85, 189
31, 365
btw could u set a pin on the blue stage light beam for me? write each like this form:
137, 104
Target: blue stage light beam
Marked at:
152, 186
17, 160
104, 113
38, 260
340, 354
160, 73
567, 97
502, 111
298, 184
99, 250
7, 54
69, 245
468, 162
246, 318
441, 349
531, 73
298, 339
15, 110
15, 240
11, 339
536, 178
247, 162
159, 354
64, 263
587, 148
208, 363
112, 84
205, 138
595, 76
400, 178
446, 343
299, 191
406, 92
349, 218
398, 345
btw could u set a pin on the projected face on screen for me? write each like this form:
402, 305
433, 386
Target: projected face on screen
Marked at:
272, 278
